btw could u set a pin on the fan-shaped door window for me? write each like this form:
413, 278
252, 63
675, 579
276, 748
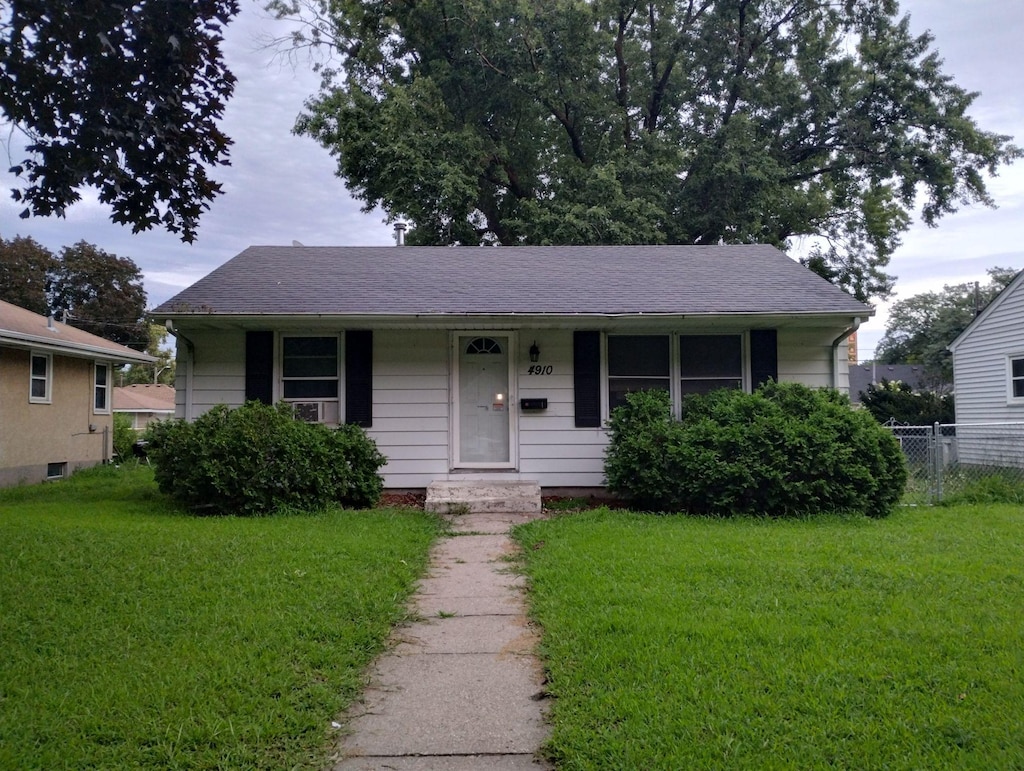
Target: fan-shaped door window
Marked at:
483, 345
484, 427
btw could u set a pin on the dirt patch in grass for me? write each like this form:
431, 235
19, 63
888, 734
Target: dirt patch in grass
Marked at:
408, 500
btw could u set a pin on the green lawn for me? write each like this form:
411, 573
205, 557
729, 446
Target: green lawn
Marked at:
134, 636
685, 643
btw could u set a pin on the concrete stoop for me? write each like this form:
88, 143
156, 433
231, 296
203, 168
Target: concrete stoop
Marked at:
483, 497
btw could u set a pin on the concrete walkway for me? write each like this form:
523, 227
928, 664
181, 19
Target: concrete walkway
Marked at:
461, 690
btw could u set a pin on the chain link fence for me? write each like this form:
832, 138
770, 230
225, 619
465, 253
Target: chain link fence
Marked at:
962, 461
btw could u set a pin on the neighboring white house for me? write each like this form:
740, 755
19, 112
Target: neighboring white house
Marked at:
468, 362
988, 378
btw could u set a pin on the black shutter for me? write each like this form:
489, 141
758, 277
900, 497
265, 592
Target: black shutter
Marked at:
259, 367
359, 377
586, 374
764, 356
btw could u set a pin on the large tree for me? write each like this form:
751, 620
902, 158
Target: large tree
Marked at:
920, 328
100, 293
619, 121
25, 268
160, 371
120, 97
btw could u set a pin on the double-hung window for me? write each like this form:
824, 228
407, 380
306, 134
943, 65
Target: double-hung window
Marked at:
1016, 372
309, 368
678, 364
40, 378
101, 389
707, 362
637, 363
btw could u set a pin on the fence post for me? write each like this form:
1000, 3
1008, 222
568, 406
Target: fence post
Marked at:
936, 453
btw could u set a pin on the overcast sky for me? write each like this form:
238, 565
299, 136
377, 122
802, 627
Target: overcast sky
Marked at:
281, 188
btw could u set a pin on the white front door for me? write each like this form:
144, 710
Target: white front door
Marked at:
484, 411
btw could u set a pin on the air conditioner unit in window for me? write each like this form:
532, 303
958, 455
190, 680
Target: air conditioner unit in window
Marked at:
311, 412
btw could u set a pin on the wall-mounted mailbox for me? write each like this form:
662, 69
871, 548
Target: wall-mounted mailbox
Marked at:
533, 404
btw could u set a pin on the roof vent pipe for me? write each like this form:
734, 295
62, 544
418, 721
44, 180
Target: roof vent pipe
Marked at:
400, 228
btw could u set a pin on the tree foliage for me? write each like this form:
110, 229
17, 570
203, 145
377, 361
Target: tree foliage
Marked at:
89, 288
921, 327
160, 371
25, 267
100, 293
120, 97
617, 121
894, 400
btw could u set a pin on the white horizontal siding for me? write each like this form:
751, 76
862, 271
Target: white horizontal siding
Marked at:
552, 450
805, 356
412, 399
218, 369
980, 369
410, 405
389, 410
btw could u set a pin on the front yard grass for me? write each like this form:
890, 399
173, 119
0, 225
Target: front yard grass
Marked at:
135, 636
675, 642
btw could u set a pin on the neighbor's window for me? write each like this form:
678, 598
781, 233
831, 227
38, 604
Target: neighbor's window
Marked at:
309, 367
40, 376
636, 363
56, 470
1017, 377
707, 362
101, 389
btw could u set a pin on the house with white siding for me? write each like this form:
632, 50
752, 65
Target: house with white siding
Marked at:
988, 379
484, 363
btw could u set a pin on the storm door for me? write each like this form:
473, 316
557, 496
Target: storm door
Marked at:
484, 413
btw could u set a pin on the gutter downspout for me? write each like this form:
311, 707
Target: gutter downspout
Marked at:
190, 358
835, 350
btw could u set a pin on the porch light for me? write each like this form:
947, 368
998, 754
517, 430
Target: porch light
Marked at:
534, 352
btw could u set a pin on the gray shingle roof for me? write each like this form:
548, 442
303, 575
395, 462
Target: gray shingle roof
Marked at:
598, 280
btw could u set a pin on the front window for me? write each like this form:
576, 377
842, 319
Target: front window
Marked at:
309, 367
101, 389
636, 363
1017, 377
40, 378
707, 362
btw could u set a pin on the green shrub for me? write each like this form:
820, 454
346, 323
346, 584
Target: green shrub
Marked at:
786, 450
257, 459
124, 436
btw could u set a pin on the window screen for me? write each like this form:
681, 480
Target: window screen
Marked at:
707, 362
636, 363
309, 367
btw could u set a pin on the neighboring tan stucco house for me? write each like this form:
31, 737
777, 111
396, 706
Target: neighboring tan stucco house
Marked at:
988, 379
466, 363
55, 396
145, 402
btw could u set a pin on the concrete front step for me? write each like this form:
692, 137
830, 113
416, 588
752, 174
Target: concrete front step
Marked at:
483, 497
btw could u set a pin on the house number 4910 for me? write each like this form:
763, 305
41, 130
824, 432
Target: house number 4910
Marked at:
538, 369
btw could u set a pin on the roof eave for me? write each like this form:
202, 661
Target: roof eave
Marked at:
528, 317
69, 348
